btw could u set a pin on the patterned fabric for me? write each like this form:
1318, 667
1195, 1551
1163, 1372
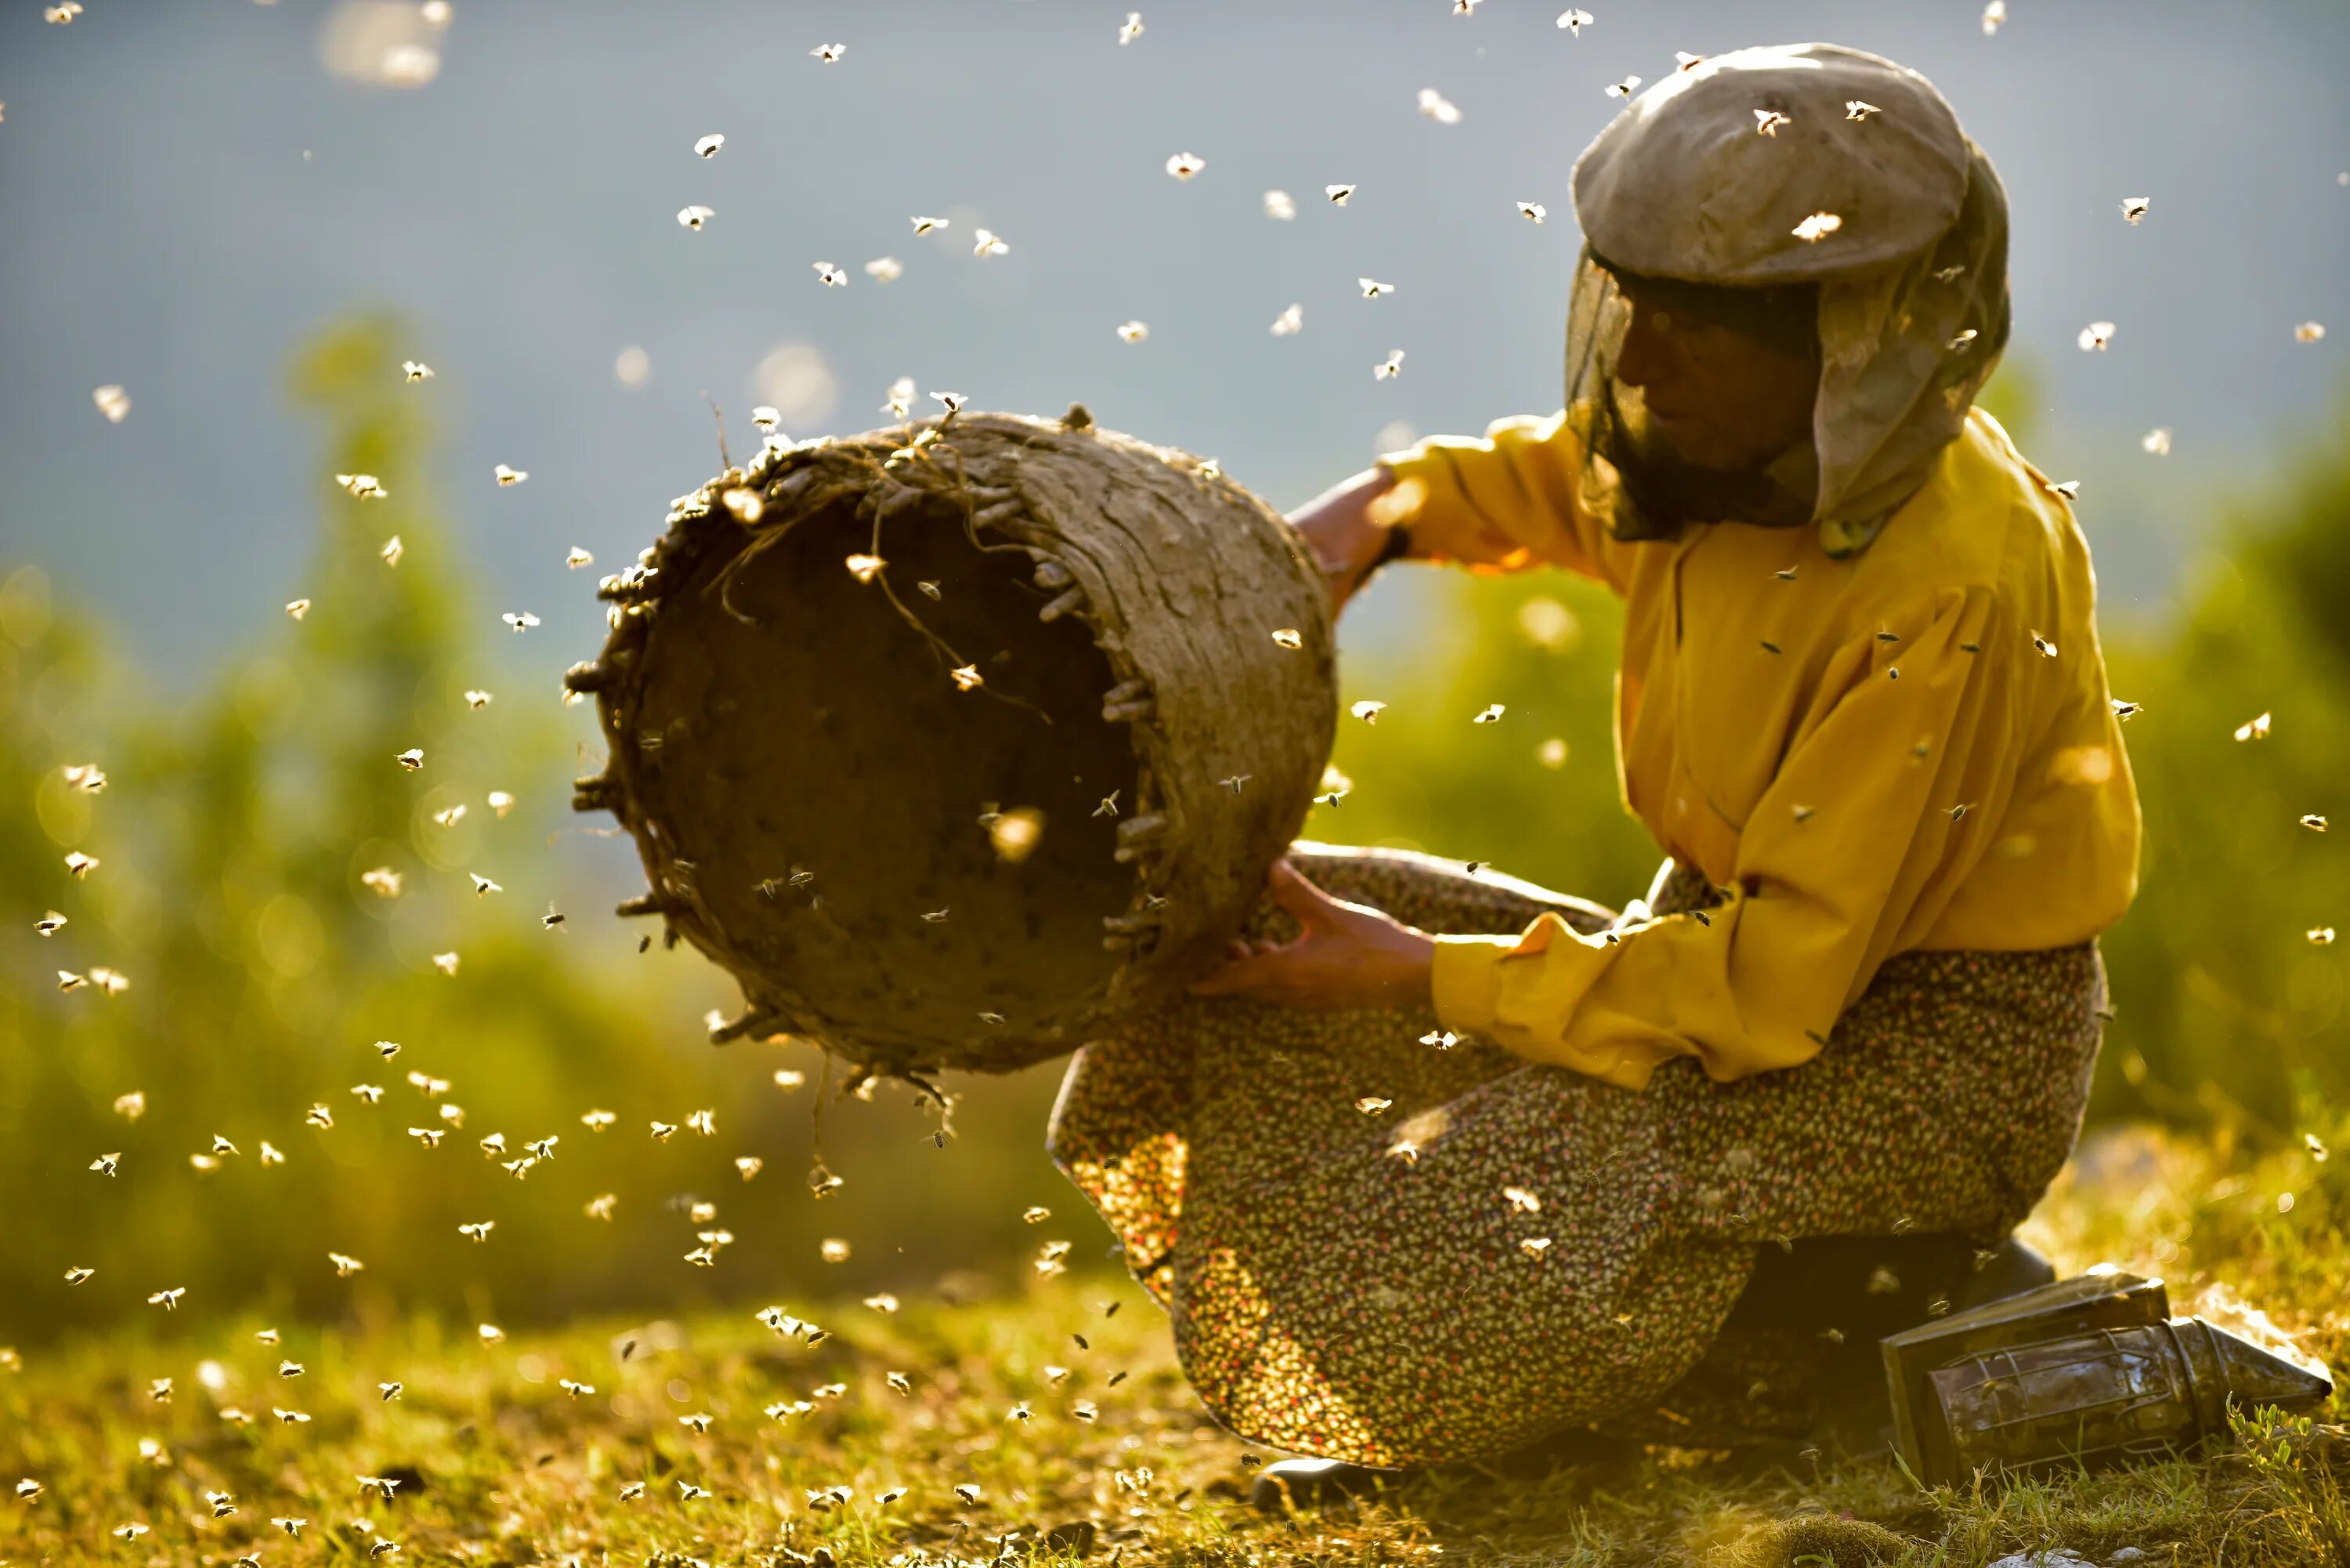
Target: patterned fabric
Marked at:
1396, 1251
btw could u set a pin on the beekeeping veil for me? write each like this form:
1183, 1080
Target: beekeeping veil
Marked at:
1859, 182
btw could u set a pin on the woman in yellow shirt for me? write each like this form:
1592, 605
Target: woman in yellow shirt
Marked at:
1861, 709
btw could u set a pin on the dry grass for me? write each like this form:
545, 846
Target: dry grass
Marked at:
499, 1464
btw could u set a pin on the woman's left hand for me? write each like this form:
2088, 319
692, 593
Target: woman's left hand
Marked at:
1347, 955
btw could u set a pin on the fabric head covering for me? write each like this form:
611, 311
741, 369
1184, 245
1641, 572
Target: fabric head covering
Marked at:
1801, 163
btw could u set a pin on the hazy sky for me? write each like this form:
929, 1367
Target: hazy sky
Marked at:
187, 191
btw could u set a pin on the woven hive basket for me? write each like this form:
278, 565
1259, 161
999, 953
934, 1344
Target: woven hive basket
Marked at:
962, 808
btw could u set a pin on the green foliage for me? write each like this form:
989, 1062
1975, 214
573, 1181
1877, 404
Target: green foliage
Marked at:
2226, 1008
1427, 776
234, 838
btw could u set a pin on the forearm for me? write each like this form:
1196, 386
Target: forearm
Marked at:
1402, 973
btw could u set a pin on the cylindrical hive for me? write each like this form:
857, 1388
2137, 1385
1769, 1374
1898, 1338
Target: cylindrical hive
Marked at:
954, 741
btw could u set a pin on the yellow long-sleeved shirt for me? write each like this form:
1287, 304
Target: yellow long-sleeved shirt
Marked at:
1807, 745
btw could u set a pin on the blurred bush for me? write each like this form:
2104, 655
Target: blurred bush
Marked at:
234, 836
236, 831
2228, 1009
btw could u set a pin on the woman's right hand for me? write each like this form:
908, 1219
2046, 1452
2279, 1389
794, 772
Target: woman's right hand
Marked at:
1342, 530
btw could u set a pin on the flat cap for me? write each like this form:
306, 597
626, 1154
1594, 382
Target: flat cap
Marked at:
1691, 182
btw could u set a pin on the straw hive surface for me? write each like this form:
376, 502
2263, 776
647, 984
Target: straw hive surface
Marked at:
955, 741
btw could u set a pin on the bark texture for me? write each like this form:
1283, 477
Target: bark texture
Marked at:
916, 870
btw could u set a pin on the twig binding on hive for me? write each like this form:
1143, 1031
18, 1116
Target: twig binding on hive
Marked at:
1128, 702
749, 1022
1051, 573
788, 491
1073, 600
648, 903
586, 676
598, 792
627, 588
1138, 836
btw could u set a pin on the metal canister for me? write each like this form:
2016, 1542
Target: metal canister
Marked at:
2087, 1371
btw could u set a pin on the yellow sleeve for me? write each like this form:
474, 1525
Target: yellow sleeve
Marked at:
1503, 503
1850, 854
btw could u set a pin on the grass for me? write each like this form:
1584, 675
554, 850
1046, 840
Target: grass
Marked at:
498, 1463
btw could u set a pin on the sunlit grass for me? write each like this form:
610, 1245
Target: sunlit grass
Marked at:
497, 1462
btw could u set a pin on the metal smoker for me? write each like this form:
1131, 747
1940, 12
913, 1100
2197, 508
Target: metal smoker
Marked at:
2090, 1370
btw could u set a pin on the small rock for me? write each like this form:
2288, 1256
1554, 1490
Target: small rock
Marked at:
2126, 1554
2046, 1557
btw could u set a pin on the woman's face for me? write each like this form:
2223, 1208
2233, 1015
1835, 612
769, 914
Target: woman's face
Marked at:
1719, 397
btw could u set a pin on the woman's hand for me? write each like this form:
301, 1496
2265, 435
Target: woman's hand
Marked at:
1341, 528
1346, 956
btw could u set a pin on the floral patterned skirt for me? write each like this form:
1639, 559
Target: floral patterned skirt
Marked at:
1505, 1251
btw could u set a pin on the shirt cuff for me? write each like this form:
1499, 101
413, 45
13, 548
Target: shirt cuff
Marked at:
1437, 478
1466, 978
1522, 994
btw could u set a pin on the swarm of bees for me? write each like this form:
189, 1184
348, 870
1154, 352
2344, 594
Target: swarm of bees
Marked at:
745, 497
